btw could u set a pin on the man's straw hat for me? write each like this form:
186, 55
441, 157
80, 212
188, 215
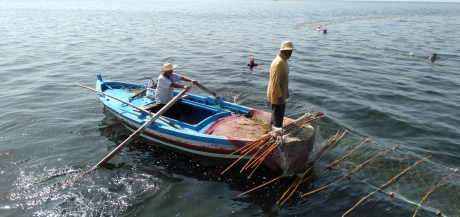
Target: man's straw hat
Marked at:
168, 67
287, 45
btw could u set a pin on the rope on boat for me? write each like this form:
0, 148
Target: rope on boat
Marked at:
386, 184
432, 189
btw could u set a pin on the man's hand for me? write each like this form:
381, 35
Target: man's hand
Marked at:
194, 82
187, 87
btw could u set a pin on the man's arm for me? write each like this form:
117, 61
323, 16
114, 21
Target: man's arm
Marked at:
188, 79
180, 86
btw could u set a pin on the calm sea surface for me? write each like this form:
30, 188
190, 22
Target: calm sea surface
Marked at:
360, 75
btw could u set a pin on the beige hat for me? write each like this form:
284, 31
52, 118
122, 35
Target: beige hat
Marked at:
168, 67
287, 45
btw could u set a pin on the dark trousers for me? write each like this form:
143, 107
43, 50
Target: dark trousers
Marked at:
277, 115
173, 112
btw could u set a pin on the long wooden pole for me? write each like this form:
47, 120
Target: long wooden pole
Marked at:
130, 138
213, 93
132, 105
140, 130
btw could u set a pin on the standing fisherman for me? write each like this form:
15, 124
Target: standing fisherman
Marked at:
277, 91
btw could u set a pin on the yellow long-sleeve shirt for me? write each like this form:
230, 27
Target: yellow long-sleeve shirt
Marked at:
279, 83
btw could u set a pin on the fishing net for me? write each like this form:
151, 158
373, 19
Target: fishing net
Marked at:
386, 170
322, 25
339, 156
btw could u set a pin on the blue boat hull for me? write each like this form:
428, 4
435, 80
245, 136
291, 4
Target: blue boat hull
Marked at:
214, 128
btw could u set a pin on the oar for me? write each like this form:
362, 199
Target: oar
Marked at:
213, 93
132, 136
127, 103
140, 130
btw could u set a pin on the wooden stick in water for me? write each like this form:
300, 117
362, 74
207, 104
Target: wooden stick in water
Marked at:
251, 144
356, 148
320, 189
333, 143
351, 173
289, 188
253, 156
258, 144
300, 179
386, 184
242, 149
264, 154
337, 140
297, 184
366, 162
238, 160
254, 162
261, 185
432, 189
262, 160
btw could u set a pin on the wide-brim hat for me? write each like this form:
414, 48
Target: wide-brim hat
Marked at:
168, 67
287, 45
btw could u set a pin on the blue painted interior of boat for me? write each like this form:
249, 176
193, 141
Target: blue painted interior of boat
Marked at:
202, 109
199, 112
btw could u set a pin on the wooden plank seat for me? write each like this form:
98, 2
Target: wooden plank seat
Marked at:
150, 107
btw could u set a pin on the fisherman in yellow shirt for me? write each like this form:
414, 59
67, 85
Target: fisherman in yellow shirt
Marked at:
277, 91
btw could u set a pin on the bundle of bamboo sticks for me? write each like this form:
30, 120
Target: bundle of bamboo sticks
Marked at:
325, 146
267, 143
329, 143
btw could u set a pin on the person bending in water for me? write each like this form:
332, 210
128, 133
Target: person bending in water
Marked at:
433, 57
251, 62
324, 31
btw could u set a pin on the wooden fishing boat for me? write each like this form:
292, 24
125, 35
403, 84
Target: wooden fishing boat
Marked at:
212, 127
